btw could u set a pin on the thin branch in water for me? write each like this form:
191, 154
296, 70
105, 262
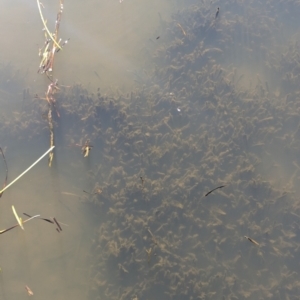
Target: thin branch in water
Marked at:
47, 220
219, 187
57, 224
10, 184
252, 241
5, 230
52, 88
45, 26
47, 54
63, 44
10, 228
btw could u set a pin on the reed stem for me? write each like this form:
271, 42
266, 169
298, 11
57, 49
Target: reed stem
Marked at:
10, 184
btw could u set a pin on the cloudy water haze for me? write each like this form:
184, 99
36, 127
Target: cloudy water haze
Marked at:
175, 172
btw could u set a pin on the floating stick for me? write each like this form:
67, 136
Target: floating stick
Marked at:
26, 170
219, 187
17, 217
36, 216
47, 220
57, 224
252, 241
5, 230
6, 176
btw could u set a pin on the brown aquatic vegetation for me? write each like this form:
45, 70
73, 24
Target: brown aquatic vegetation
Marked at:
223, 131
149, 254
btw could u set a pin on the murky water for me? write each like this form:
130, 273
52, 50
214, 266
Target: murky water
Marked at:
175, 102
106, 39
105, 49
